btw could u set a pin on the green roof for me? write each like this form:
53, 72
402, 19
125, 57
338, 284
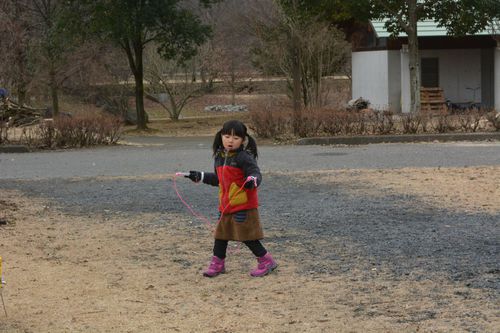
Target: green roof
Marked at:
424, 28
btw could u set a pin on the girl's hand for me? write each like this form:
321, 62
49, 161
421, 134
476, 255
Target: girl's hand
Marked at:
251, 182
195, 176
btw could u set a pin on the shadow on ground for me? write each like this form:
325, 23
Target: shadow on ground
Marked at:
322, 227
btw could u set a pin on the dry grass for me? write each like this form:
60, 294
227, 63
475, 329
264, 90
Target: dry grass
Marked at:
466, 190
194, 120
108, 273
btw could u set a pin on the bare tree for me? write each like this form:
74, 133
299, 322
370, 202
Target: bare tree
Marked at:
41, 54
304, 50
15, 30
226, 55
170, 79
323, 52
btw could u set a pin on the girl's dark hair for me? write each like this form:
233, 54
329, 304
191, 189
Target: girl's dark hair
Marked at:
235, 127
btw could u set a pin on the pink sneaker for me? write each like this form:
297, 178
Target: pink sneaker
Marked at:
266, 265
215, 268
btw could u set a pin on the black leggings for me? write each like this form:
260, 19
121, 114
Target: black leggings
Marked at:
255, 246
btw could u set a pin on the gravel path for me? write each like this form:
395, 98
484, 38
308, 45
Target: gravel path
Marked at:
335, 232
167, 155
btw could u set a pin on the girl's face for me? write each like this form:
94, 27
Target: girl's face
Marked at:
231, 141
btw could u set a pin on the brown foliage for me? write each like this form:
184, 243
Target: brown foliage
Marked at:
277, 121
383, 122
494, 118
66, 132
84, 131
411, 123
271, 120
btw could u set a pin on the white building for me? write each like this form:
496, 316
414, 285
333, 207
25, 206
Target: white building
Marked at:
466, 68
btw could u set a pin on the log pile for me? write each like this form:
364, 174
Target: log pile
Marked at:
19, 115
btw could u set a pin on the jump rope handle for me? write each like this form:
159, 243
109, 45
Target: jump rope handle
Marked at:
251, 179
185, 174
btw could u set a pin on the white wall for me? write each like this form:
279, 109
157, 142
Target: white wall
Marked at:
394, 80
383, 77
370, 77
458, 70
497, 79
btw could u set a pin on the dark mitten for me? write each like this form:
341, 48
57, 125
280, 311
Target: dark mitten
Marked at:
195, 176
251, 182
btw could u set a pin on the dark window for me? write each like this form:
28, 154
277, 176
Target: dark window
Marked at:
430, 72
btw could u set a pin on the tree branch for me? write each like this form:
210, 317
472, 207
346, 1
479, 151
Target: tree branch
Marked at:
125, 45
397, 15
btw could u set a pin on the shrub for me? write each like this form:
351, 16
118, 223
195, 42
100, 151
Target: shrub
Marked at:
271, 120
469, 119
308, 123
442, 122
276, 121
350, 122
494, 118
333, 122
4, 133
46, 133
358, 122
411, 123
383, 122
80, 131
425, 122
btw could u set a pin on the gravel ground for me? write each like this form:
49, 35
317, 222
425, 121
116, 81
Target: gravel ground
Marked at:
166, 155
376, 243
393, 231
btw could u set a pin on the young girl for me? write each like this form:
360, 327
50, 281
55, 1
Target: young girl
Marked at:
238, 177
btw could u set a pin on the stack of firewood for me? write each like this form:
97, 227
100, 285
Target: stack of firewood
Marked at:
19, 115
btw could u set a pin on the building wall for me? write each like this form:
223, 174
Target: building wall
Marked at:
487, 77
459, 73
370, 77
382, 76
497, 79
394, 86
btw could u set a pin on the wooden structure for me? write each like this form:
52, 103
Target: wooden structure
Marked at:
432, 100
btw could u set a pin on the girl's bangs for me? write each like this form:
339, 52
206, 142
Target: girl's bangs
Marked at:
234, 127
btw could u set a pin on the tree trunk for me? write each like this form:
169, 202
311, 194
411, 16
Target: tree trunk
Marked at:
175, 113
318, 102
414, 61
22, 58
21, 84
53, 92
233, 83
21, 92
139, 86
193, 69
296, 77
296, 74
203, 76
306, 89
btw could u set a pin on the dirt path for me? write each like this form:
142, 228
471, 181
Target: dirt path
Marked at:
139, 274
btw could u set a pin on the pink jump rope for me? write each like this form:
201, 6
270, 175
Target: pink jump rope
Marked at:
201, 217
